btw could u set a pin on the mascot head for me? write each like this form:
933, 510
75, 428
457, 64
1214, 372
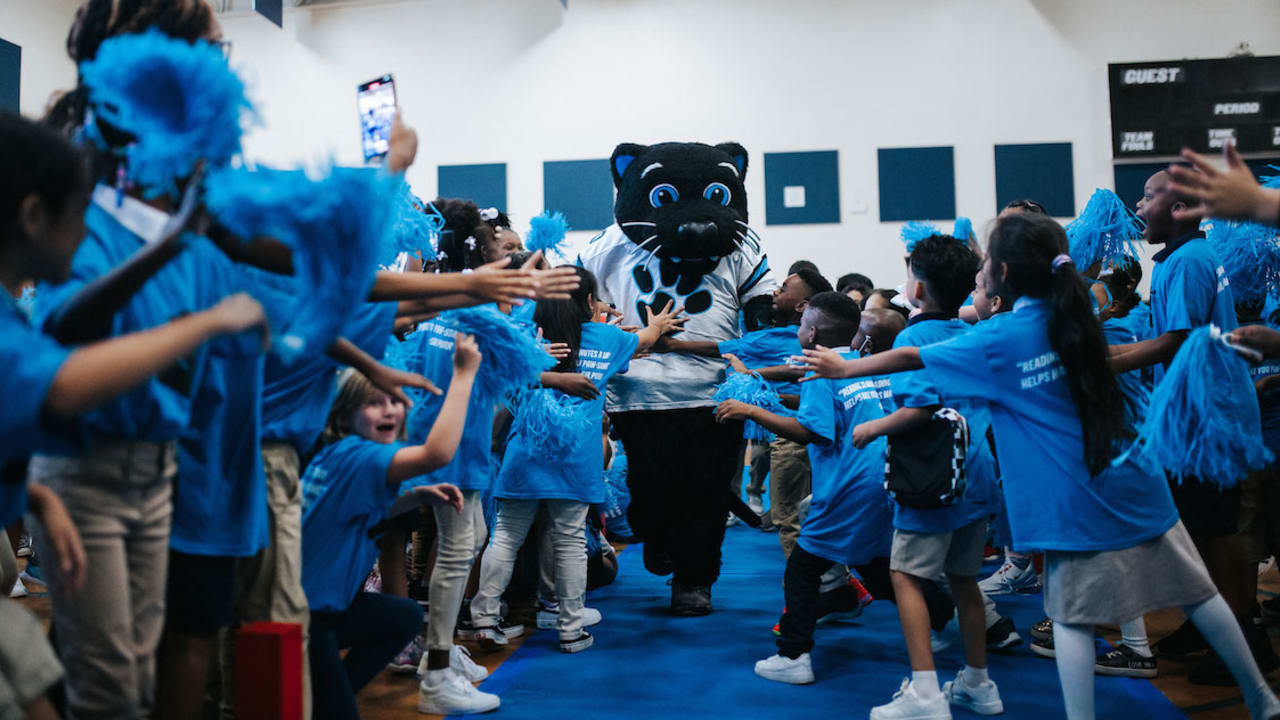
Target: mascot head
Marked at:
682, 201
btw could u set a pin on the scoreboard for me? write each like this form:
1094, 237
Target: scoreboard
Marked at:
1157, 108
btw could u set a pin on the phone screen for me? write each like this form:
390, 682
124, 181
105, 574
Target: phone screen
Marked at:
376, 101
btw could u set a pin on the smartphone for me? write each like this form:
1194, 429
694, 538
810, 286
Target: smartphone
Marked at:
376, 102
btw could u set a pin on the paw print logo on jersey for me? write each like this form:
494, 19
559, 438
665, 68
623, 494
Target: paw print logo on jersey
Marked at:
671, 279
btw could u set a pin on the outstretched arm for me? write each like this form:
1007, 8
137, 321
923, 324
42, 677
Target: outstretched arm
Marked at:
1147, 352
446, 432
900, 421
828, 363
97, 373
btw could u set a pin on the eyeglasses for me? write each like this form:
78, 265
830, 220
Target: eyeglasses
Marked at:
225, 47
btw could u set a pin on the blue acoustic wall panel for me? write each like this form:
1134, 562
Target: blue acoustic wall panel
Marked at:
10, 75
801, 188
272, 10
485, 185
582, 190
917, 183
1040, 172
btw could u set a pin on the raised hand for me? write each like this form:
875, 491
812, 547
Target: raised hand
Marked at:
466, 353
733, 410
667, 320
1259, 337
1232, 193
391, 381
553, 284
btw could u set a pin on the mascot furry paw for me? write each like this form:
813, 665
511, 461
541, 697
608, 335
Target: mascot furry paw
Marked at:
680, 234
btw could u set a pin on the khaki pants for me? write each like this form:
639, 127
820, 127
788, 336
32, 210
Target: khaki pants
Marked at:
789, 482
119, 497
269, 586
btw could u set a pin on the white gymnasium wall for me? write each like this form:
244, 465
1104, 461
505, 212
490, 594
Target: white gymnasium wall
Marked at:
40, 28
523, 81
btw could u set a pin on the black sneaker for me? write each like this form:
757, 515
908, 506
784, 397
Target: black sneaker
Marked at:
1125, 662
1042, 630
578, 644
1181, 643
1043, 648
1002, 635
690, 600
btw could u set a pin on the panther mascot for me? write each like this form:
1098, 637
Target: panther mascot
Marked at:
680, 234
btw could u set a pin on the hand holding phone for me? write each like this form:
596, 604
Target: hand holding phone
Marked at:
376, 103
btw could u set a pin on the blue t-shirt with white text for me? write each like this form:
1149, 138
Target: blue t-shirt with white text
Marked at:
850, 517
1053, 502
579, 475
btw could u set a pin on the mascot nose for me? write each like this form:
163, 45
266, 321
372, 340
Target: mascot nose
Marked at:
697, 231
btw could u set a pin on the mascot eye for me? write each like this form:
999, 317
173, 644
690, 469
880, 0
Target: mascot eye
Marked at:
717, 193
663, 194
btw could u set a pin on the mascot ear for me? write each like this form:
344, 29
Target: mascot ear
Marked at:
621, 160
739, 155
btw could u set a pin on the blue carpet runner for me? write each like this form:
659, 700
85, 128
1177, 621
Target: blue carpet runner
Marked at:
647, 664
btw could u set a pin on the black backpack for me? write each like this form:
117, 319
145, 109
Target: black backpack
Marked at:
924, 468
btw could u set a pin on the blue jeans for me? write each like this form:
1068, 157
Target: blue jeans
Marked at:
375, 628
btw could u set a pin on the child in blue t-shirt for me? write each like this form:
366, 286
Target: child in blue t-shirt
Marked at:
766, 351
849, 521
1059, 420
45, 193
346, 490
929, 544
562, 474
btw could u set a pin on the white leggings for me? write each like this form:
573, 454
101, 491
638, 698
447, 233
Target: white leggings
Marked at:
566, 526
1074, 650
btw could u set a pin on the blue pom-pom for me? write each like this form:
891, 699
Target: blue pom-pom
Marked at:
546, 232
913, 232
1250, 255
963, 230
1202, 420
335, 226
415, 230
513, 359
1105, 232
554, 424
751, 389
180, 100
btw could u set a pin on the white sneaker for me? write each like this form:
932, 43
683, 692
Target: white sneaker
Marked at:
19, 590
783, 669
983, 699
549, 616
1009, 579
732, 520
460, 660
907, 705
756, 503
454, 696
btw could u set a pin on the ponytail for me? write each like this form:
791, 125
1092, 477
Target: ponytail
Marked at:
561, 320
1034, 251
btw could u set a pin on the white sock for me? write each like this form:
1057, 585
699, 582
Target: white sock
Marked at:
925, 682
1076, 655
1216, 623
973, 677
1134, 635
435, 678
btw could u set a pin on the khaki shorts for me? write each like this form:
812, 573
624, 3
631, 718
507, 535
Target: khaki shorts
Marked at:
931, 556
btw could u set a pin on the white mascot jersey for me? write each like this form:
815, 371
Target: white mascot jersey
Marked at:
668, 381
